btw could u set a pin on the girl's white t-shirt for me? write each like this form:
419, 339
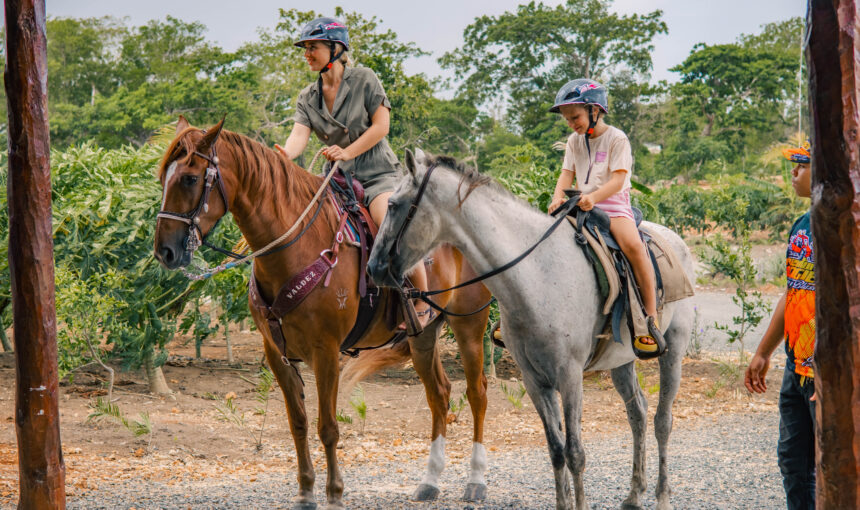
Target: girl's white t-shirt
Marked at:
609, 152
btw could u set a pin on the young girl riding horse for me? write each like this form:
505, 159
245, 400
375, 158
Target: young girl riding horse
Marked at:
599, 159
347, 110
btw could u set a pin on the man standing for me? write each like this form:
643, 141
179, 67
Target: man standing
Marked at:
794, 320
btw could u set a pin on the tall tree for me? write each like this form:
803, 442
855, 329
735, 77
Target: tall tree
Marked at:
81, 58
525, 56
283, 72
733, 99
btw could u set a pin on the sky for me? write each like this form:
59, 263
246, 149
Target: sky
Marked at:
437, 26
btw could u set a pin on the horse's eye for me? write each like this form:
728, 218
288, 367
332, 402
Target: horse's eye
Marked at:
189, 180
391, 205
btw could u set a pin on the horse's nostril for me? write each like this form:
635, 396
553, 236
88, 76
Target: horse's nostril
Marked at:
167, 255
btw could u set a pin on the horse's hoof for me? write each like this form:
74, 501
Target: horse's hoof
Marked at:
425, 492
630, 506
335, 506
304, 505
475, 492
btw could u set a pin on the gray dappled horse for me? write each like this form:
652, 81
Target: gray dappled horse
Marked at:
550, 305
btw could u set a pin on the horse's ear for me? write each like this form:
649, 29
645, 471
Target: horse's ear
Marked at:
410, 162
182, 124
419, 154
210, 136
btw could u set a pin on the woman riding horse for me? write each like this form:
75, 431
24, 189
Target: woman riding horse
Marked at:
348, 111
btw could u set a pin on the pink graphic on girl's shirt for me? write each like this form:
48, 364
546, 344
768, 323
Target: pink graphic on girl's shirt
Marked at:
600, 157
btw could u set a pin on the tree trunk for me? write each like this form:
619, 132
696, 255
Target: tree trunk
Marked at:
41, 470
154, 374
4, 340
489, 358
229, 343
832, 55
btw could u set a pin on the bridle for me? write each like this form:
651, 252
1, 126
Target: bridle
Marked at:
195, 237
413, 208
424, 295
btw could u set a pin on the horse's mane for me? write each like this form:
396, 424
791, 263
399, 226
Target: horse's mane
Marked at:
469, 175
274, 175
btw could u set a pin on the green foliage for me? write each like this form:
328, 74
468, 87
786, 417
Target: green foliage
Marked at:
359, 405
514, 395
105, 203
694, 348
104, 410
526, 172
733, 100
230, 412
528, 54
342, 417
85, 309
733, 202
199, 323
457, 405
736, 263
652, 389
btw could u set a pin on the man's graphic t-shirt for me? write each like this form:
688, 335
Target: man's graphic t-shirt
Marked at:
800, 298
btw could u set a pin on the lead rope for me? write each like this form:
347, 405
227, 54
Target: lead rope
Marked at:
203, 272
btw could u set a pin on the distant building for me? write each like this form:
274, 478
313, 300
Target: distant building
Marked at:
653, 148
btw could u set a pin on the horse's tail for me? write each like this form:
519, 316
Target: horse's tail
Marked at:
370, 362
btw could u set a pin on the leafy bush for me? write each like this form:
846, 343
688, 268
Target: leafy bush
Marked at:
736, 203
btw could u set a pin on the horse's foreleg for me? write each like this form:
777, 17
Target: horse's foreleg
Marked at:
437, 387
326, 370
546, 405
571, 400
469, 332
291, 386
627, 385
670, 381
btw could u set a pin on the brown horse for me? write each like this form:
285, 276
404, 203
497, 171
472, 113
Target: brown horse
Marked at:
266, 194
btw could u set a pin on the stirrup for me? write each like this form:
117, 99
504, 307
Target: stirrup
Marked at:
413, 324
496, 334
649, 351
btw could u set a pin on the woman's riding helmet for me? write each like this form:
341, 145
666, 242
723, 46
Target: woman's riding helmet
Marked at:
324, 29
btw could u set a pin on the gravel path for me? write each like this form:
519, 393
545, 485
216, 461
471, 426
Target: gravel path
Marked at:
730, 464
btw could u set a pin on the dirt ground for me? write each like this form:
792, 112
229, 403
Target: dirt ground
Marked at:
189, 441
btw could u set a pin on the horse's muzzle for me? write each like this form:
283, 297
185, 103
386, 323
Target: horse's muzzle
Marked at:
381, 272
172, 256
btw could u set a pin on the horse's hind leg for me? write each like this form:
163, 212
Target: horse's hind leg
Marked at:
437, 387
670, 380
291, 386
469, 332
627, 385
546, 405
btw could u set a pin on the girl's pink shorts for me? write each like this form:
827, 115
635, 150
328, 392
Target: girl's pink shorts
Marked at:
618, 205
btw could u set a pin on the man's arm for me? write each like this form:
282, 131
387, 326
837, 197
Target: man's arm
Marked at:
759, 364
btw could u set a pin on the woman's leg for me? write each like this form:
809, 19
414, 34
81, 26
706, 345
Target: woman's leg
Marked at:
378, 208
627, 235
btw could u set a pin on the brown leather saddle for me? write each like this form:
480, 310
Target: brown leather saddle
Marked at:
348, 195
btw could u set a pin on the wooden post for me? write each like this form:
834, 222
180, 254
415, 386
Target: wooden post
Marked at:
833, 55
41, 472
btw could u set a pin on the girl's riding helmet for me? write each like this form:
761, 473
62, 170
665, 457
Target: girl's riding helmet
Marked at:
582, 91
324, 29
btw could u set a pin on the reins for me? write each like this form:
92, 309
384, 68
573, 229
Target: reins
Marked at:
424, 295
213, 173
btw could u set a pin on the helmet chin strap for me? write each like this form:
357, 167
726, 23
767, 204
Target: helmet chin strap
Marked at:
333, 58
588, 134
